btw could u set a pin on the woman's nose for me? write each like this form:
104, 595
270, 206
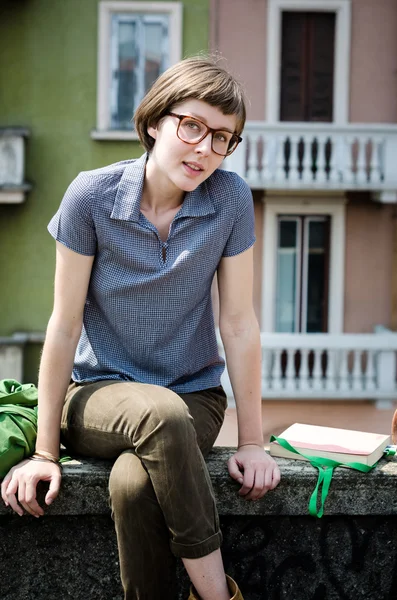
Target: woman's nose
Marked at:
205, 146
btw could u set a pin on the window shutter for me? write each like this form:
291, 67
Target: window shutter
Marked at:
292, 101
307, 66
321, 83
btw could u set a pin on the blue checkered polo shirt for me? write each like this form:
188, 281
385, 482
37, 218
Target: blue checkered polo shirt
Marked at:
148, 314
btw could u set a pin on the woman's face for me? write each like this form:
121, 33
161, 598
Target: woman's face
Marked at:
179, 164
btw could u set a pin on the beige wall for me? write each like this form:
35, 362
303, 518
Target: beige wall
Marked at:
373, 92
369, 257
239, 30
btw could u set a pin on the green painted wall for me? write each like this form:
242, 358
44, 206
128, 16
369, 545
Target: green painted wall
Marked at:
48, 66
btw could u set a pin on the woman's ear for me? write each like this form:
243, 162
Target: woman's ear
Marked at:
152, 131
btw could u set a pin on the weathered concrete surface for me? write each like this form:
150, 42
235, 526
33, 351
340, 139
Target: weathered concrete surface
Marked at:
272, 547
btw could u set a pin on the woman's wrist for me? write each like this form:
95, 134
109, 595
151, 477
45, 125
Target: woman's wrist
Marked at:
36, 458
44, 455
257, 444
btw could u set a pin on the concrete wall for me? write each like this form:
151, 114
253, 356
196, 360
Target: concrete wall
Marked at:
272, 547
48, 64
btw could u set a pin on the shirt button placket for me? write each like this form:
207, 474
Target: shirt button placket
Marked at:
163, 252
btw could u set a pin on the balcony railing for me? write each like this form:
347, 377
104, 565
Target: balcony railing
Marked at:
327, 366
317, 156
296, 366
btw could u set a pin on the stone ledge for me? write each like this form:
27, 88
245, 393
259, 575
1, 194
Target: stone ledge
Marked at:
272, 547
84, 489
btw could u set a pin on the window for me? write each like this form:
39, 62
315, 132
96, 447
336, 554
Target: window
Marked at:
303, 264
307, 66
302, 274
137, 42
314, 52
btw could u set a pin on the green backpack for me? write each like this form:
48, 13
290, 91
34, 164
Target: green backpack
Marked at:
18, 423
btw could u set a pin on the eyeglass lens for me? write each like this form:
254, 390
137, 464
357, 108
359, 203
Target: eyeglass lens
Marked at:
192, 131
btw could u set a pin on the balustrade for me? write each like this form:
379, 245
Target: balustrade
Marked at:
329, 366
298, 155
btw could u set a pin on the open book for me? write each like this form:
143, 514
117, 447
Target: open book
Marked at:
342, 445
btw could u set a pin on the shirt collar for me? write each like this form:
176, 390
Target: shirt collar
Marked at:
129, 192
127, 203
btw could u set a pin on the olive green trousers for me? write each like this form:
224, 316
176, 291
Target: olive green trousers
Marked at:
161, 496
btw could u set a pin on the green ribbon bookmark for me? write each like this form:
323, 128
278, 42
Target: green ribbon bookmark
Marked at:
325, 468
390, 451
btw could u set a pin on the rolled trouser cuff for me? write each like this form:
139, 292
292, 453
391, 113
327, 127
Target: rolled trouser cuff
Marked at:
197, 550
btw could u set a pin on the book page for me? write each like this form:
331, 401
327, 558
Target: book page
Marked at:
332, 439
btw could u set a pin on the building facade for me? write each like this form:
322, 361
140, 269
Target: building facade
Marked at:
319, 152
72, 73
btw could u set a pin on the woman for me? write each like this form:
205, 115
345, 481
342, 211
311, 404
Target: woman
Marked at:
138, 245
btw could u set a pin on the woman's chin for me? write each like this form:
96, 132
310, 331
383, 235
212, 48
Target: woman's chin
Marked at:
189, 185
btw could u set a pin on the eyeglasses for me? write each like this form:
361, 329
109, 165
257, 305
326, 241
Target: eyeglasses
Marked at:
193, 131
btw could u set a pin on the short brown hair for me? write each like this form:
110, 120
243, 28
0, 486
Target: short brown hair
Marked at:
199, 78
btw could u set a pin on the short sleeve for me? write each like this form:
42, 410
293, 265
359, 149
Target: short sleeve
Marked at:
242, 235
73, 224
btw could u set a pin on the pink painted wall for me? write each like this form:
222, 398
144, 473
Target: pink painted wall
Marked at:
373, 75
238, 29
369, 263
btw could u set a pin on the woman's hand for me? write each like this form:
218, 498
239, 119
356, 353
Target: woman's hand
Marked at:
255, 470
18, 488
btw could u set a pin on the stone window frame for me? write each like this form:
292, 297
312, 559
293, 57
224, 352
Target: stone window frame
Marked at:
103, 130
336, 209
341, 98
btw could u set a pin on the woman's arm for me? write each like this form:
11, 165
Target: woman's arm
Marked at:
239, 329
72, 277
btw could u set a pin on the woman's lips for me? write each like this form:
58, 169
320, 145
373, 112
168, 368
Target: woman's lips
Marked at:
193, 168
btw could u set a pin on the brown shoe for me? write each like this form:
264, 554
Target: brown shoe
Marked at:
233, 589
